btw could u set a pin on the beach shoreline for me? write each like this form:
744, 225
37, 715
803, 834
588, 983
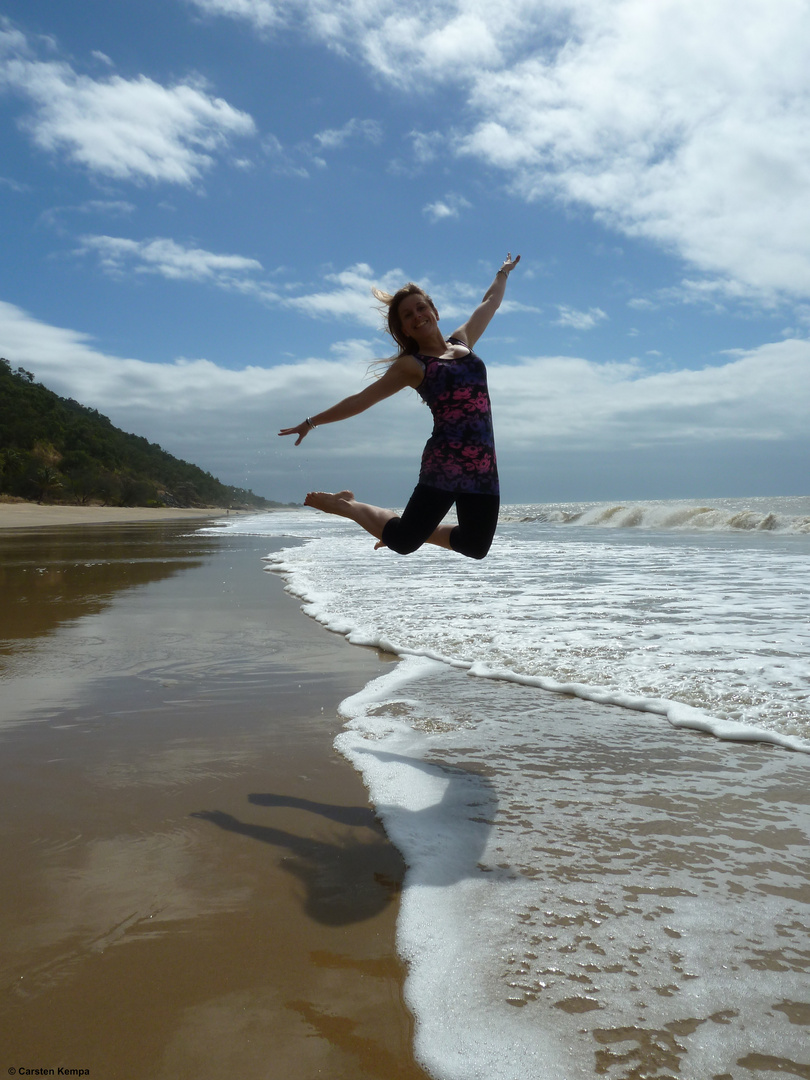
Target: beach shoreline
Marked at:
26, 515
188, 847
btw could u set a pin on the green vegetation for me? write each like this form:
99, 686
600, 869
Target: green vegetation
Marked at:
52, 449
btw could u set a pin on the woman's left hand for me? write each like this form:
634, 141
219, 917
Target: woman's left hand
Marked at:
509, 263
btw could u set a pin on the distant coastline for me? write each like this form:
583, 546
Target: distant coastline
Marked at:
56, 450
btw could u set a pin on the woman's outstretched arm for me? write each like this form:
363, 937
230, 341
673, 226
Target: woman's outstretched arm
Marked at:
477, 323
405, 371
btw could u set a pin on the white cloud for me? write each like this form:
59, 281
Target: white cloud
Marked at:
13, 185
287, 161
349, 295
281, 160
334, 138
128, 129
568, 402
681, 122
169, 259
263, 14
642, 303
344, 294
226, 420
448, 207
101, 207
356, 349
579, 320
427, 145
439, 39
222, 419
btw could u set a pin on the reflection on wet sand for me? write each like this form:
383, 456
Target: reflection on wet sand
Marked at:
149, 675
50, 576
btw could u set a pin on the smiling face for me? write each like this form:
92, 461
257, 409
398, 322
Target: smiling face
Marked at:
418, 317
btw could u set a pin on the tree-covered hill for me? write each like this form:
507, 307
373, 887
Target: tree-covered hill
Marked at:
54, 449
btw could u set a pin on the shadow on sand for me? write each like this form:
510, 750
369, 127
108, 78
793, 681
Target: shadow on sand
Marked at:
347, 878
355, 873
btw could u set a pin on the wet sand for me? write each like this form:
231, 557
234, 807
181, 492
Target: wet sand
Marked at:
194, 882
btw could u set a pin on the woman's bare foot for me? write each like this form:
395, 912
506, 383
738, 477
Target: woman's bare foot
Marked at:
337, 503
343, 503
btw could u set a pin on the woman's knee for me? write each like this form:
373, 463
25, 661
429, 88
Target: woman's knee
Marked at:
475, 547
477, 522
399, 540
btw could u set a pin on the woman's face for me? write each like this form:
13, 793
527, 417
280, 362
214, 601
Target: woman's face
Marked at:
418, 317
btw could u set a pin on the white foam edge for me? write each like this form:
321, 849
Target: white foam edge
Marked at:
678, 714
427, 817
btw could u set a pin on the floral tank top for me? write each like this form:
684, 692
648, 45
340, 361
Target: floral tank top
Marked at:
460, 454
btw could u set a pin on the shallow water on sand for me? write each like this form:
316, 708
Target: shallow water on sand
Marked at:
194, 883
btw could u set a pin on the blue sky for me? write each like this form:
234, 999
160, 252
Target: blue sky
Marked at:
197, 196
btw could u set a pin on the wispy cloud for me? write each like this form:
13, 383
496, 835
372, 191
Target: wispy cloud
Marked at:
282, 160
127, 129
168, 259
297, 160
579, 320
335, 138
448, 207
263, 14
348, 295
344, 295
427, 145
115, 208
13, 185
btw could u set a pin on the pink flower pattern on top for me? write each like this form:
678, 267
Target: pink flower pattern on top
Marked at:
460, 454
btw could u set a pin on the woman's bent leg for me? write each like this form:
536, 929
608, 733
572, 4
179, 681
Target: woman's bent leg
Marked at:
477, 521
420, 522
421, 519
343, 504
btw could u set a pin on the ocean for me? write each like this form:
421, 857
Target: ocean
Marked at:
594, 756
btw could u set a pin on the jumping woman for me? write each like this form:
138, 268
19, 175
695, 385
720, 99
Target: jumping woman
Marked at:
458, 463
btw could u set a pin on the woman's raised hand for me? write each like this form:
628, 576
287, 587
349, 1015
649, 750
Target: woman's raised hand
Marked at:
509, 263
300, 430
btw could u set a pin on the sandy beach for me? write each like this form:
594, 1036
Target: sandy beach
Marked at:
195, 884
27, 515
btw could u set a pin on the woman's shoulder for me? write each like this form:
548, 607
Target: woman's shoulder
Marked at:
411, 366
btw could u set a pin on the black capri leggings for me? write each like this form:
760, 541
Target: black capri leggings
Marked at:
477, 520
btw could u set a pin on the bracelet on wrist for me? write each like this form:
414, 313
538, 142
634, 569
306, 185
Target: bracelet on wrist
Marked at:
504, 272
311, 425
